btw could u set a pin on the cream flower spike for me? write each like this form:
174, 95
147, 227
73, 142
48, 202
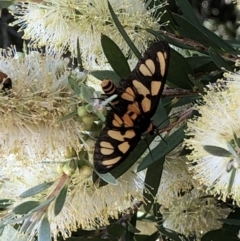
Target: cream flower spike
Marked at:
59, 25
214, 140
30, 125
193, 214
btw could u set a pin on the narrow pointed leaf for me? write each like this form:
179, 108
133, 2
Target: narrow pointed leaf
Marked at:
108, 178
74, 85
43, 204
44, 231
115, 57
219, 61
152, 181
4, 203
179, 77
133, 229
79, 57
60, 200
116, 230
25, 207
220, 235
37, 189
188, 12
172, 235
5, 4
123, 32
191, 16
217, 151
230, 221
231, 180
163, 149
87, 93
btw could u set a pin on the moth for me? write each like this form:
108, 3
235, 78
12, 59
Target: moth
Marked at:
138, 97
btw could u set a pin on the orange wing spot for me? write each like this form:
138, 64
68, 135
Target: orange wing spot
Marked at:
106, 144
146, 105
116, 135
111, 162
150, 65
128, 94
162, 63
124, 147
141, 89
144, 70
106, 148
127, 120
117, 121
134, 108
106, 151
133, 116
155, 87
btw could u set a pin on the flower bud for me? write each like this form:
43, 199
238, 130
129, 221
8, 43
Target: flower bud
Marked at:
82, 111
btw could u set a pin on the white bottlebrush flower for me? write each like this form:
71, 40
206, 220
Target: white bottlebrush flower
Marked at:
30, 127
86, 206
193, 214
175, 179
59, 25
214, 141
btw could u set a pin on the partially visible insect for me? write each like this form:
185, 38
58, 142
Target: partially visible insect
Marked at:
5, 81
110, 89
137, 101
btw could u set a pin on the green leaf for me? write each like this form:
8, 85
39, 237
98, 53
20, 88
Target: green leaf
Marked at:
198, 61
156, 212
152, 181
123, 32
90, 108
79, 57
44, 230
197, 83
172, 235
43, 204
133, 229
60, 200
5, 4
68, 116
87, 93
231, 221
220, 235
25, 207
231, 180
201, 34
219, 61
106, 74
227, 48
115, 57
152, 237
116, 230
4, 203
160, 117
163, 149
179, 70
108, 178
74, 85
217, 151
37, 189
188, 12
